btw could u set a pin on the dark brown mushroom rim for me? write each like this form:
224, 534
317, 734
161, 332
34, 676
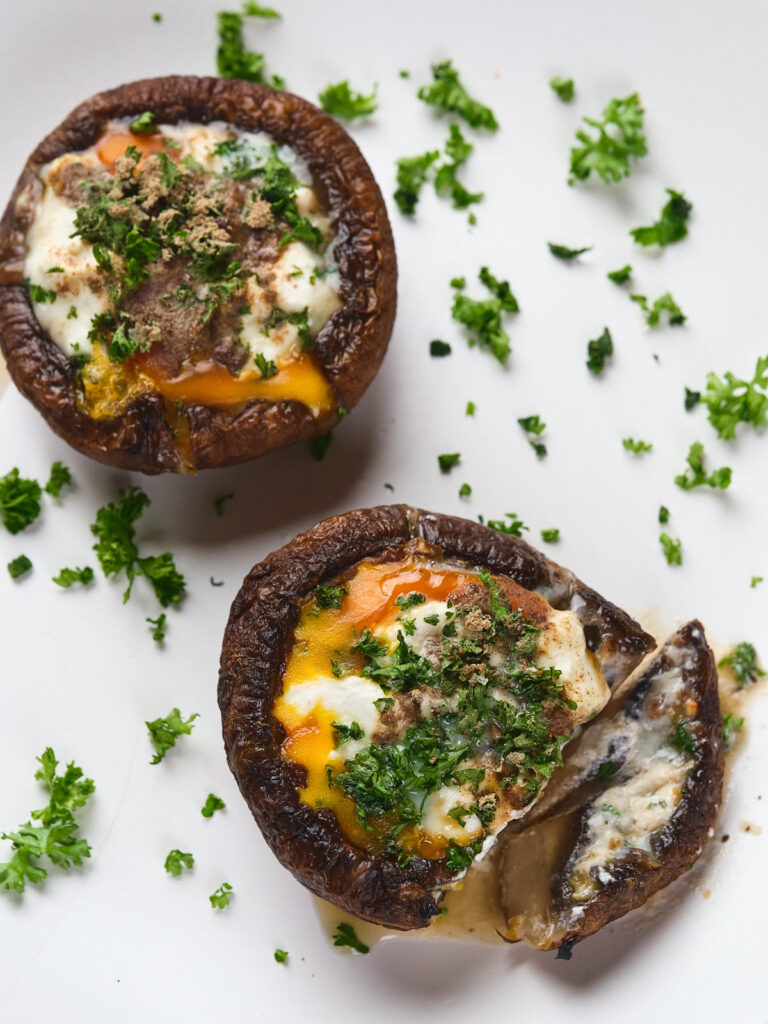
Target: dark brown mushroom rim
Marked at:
260, 635
155, 434
631, 809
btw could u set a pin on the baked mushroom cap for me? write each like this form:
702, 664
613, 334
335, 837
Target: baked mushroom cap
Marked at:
398, 885
631, 809
155, 434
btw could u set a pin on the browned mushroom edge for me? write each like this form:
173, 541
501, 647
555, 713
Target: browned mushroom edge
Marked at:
258, 639
349, 348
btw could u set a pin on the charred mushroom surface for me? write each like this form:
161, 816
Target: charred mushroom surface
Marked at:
631, 809
395, 687
193, 272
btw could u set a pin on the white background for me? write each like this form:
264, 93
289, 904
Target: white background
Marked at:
120, 940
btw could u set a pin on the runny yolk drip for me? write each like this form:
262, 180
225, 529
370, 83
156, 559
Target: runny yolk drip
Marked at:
326, 634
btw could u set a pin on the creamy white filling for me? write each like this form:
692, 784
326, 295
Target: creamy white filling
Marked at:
303, 279
350, 699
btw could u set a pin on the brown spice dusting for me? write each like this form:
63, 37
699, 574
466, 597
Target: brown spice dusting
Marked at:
476, 622
258, 214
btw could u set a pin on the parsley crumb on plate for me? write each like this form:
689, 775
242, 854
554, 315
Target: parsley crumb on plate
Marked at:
345, 935
19, 566
221, 897
212, 804
176, 861
164, 732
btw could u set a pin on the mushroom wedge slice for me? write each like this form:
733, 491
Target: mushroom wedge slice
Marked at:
630, 810
395, 686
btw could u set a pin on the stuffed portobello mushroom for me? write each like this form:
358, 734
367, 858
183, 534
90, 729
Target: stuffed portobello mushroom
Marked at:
194, 271
396, 687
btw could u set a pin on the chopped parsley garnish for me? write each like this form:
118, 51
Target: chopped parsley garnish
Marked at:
563, 88
617, 138
220, 899
39, 294
19, 501
406, 601
673, 549
664, 304
163, 732
636, 447
116, 549
233, 60
598, 350
176, 861
447, 92
610, 809
742, 661
448, 461
220, 502
331, 597
68, 577
620, 276
697, 476
439, 348
513, 528
550, 536
19, 566
730, 400
534, 425
457, 150
52, 831
464, 491
663, 515
731, 726
280, 956
412, 172
471, 409
564, 253
212, 804
318, 446
267, 368
144, 124
345, 936
253, 10
60, 477
483, 317
671, 225
384, 704
344, 733
682, 739
158, 627
755, 580
157, 17
341, 101
692, 399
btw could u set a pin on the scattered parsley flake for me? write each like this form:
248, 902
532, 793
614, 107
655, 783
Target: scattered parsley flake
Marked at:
340, 101
267, 367
157, 17
636, 447
483, 317
730, 400
254, 10
513, 528
220, 899
318, 446
671, 226
448, 461
439, 348
731, 726
216, 583
19, 501
550, 536
68, 577
464, 491
51, 831
457, 151
696, 475
742, 661
212, 804
664, 303
144, 124
564, 253
412, 172
163, 732
331, 597
598, 350
39, 294
753, 582
619, 137
471, 409
447, 92
280, 956
663, 515
692, 399
19, 566
532, 424
220, 502
563, 88
673, 549
176, 861
233, 60
345, 936
60, 477
158, 630
620, 276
